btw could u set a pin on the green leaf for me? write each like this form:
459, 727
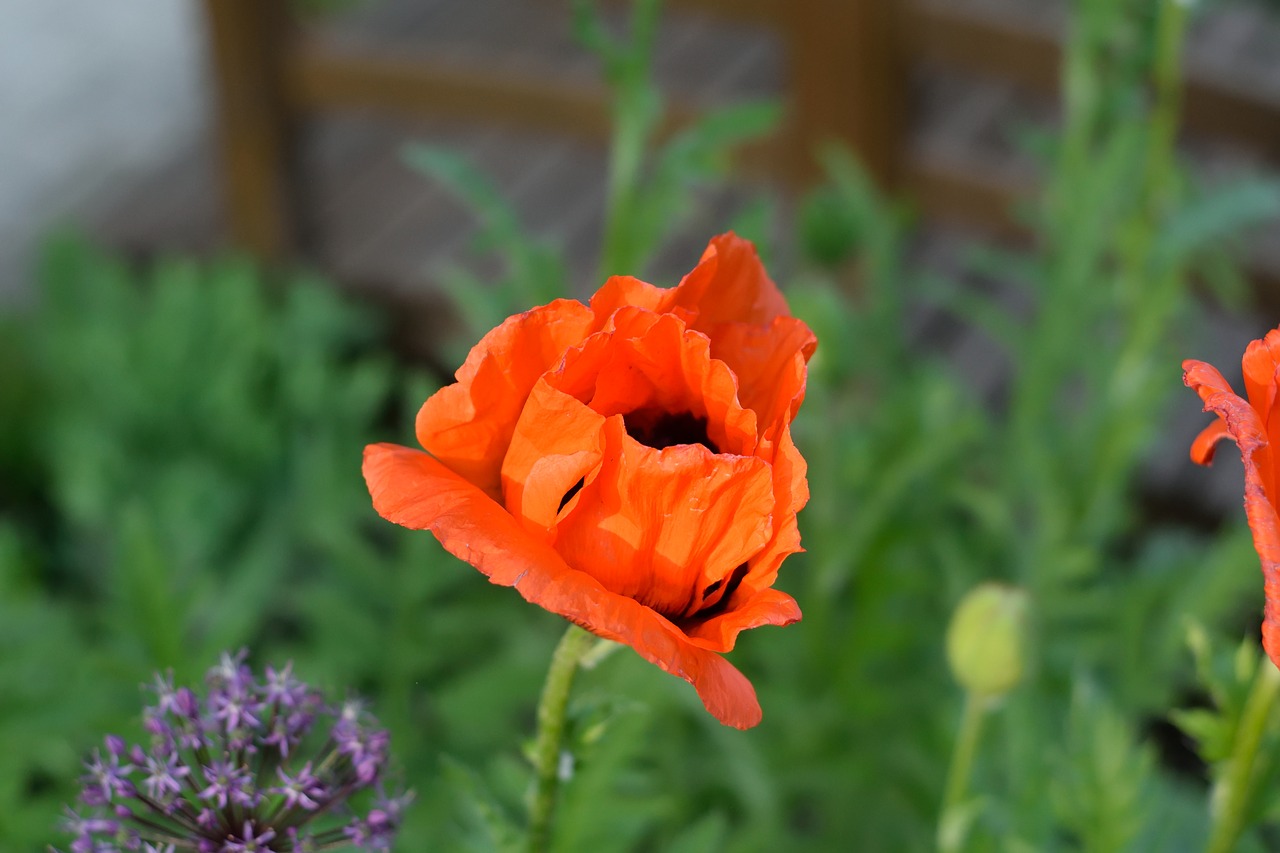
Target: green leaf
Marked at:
500, 833
1216, 216
1101, 785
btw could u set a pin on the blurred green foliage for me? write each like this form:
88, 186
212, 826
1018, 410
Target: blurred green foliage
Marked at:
180, 473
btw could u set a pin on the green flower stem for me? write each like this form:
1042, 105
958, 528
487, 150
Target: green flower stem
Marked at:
551, 716
966, 748
1234, 790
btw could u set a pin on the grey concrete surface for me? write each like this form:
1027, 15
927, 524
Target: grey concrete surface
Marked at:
92, 94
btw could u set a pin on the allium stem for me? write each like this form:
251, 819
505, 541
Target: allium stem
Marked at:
1233, 792
551, 718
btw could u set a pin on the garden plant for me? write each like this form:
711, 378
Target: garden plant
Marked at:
967, 631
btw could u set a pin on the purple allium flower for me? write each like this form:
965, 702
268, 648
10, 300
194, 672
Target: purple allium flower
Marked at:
107, 777
250, 840
165, 772
249, 767
302, 789
377, 831
229, 783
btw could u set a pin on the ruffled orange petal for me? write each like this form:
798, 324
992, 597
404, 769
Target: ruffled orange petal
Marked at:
667, 527
730, 285
620, 291
720, 632
556, 443
1260, 363
468, 425
652, 361
1216, 393
1202, 449
1246, 428
1204, 379
790, 494
770, 363
412, 489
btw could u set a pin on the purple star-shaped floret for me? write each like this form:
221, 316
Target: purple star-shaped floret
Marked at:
366, 749
164, 776
282, 689
107, 777
250, 841
303, 789
235, 710
227, 783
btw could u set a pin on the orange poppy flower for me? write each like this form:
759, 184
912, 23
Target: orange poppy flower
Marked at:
627, 464
1249, 423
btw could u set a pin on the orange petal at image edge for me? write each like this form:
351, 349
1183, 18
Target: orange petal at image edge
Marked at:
412, 489
1266, 541
1241, 422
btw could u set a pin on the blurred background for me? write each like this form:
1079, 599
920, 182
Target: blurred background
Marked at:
241, 239
188, 126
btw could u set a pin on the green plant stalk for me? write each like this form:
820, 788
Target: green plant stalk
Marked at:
1151, 293
1159, 178
575, 643
1234, 790
961, 770
637, 108
630, 135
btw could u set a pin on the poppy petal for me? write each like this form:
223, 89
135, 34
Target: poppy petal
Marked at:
667, 527
1246, 419
1246, 428
1203, 378
556, 443
653, 361
620, 291
730, 285
720, 632
1202, 449
412, 489
791, 493
769, 362
468, 425
1261, 359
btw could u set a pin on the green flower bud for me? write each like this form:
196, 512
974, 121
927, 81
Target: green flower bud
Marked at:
987, 638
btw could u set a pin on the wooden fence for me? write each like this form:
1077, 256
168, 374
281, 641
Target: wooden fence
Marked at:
848, 66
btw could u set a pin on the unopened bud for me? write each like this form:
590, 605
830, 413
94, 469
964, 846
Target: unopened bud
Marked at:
987, 638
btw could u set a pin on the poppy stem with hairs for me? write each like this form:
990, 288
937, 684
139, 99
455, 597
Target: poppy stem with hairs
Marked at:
565, 661
1235, 790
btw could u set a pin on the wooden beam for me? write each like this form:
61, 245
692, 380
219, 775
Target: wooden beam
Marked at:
1224, 109
321, 79
749, 11
255, 125
984, 45
846, 82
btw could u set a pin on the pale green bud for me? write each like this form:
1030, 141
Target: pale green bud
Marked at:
986, 641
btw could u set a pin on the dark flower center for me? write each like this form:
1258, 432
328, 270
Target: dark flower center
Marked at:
658, 429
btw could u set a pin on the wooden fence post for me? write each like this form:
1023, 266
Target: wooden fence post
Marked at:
248, 40
848, 82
